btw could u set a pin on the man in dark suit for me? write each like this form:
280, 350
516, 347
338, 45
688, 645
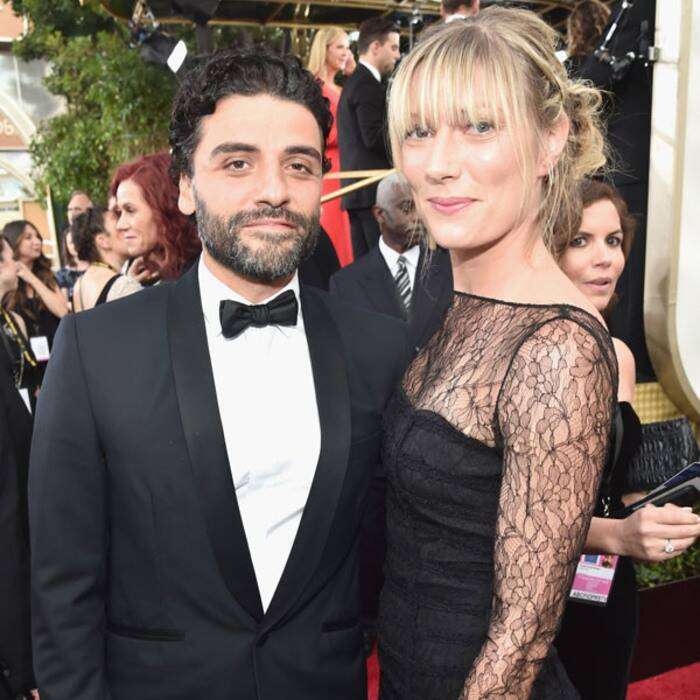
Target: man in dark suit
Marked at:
16, 675
362, 124
203, 449
393, 278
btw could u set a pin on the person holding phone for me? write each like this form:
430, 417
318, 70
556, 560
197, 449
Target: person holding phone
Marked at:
603, 638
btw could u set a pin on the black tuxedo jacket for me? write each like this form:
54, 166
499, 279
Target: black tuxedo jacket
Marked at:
367, 283
362, 138
15, 640
143, 586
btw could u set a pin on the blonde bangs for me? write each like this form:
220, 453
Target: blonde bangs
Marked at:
458, 76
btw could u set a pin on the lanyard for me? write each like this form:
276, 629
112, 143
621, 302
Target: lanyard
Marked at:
19, 339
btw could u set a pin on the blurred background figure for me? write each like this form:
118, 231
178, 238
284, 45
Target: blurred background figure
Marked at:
330, 54
73, 267
621, 69
451, 10
16, 673
78, 203
161, 241
104, 248
399, 277
596, 643
362, 124
37, 298
14, 344
584, 32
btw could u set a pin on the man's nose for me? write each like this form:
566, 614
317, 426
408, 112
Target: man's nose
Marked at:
273, 190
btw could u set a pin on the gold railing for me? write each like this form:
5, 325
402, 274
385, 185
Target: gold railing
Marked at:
369, 177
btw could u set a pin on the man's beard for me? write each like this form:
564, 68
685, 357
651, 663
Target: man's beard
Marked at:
277, 255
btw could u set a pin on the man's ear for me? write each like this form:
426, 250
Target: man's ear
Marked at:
378, 214
185, 201
554, 143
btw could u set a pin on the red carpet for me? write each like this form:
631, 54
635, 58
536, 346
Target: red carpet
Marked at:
681, 683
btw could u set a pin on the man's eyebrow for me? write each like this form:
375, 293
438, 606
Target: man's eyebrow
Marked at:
233, 147
304, 151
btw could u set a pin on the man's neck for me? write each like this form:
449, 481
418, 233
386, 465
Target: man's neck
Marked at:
368, 62
399, 245
254, 291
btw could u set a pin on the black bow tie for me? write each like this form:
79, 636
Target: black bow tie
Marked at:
236, 317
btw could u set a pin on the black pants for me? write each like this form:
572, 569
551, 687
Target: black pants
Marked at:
364, 230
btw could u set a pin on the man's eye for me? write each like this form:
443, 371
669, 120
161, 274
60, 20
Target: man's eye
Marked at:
300, 167
237, 164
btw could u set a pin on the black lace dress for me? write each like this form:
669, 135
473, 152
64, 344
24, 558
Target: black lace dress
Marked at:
494, 447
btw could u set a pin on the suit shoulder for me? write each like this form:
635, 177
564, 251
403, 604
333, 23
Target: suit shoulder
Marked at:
120, 315
350, 272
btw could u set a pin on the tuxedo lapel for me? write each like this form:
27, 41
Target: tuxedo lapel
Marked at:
199, 412
333, 400
380, 288
432, 293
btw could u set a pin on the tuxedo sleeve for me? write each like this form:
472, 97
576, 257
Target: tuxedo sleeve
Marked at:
68, 528
370, 110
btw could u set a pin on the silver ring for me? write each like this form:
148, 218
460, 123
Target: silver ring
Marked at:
668, 547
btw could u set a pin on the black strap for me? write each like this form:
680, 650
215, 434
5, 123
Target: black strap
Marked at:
105, 290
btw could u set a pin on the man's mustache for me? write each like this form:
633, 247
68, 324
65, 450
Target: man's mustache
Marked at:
245, 218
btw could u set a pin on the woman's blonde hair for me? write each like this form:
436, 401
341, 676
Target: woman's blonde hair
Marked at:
322, 40
509, 55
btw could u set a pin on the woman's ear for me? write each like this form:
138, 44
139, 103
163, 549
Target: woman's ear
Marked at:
103, 241
554, 143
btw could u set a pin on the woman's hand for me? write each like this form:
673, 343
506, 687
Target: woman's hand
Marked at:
139, 272
24, 272
644, 534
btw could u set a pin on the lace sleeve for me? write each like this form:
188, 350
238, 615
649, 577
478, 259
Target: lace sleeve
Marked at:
555, 414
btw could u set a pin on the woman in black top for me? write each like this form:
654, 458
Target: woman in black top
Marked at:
595, 643
37, 298
98, 242
14, 346
496, 441
67, 276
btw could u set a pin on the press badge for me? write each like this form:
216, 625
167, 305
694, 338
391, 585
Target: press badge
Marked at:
594, 578
40, 347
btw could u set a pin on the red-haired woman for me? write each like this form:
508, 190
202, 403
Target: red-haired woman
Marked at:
37, 299
158, 235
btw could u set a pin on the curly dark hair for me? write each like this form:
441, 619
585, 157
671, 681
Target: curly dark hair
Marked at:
240, 72
84, 229
585, 25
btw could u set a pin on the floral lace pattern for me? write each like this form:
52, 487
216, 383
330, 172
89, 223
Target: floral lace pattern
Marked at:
494, 454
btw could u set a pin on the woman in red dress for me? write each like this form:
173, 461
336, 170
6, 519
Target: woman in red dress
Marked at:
330, 53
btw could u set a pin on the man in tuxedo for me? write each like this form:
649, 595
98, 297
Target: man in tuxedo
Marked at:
399, 277
362, 124
195, 509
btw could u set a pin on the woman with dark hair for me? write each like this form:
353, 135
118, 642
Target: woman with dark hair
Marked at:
162, 239
14, 347
595, 643
37, 298
98, 242
72, 268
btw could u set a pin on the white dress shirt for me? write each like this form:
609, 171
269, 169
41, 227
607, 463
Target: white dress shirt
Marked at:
372, 70
267, 403
392, 260
452, 18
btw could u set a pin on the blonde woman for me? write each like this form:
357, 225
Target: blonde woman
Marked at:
330, 54
496, 440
